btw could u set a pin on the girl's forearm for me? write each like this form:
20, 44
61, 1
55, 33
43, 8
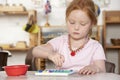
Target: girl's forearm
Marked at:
40, 51
98, 69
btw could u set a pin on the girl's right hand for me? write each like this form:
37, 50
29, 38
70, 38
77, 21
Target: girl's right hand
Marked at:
57, 59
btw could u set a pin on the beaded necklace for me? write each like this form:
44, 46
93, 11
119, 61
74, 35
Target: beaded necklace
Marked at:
73, 52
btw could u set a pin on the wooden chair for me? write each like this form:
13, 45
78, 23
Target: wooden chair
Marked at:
35, 63
30, 60
110, 67
3, 59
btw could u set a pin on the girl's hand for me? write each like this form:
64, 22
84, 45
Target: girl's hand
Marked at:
57, 59
90, 69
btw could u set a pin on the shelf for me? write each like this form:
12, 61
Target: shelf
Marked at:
14, 13
110, 17
33, 37
112, 47
17, 49
113, 22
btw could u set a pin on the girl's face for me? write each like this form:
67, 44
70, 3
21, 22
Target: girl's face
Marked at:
79, 24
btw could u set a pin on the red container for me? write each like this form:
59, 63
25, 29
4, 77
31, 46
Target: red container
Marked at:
16, 70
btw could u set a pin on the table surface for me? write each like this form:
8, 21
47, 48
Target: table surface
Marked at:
31, 76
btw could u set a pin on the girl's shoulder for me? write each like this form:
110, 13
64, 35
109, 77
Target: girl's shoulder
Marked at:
62, 37
94, 42
59, 39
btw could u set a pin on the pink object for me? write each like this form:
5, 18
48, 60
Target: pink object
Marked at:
91, 51
16, 70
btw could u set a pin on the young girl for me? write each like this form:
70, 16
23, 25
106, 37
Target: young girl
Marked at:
76, 50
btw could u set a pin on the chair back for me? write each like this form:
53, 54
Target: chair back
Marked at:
3, 59
30, 60
110, 67
35, 63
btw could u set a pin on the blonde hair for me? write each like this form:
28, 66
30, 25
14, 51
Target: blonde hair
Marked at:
86, 5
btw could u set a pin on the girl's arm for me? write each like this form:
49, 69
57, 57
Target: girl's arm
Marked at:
46, 51
43, 51
100, 64
96, 67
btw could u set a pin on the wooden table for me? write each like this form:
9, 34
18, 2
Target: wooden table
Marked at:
30, 76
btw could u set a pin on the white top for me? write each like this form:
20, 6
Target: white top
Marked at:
90, 52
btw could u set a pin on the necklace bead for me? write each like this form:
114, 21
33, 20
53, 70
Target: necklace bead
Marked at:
73, 52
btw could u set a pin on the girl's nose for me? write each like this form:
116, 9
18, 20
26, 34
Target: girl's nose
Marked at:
76, 27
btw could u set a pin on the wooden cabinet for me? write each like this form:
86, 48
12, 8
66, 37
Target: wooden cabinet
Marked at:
33, 37
111, 20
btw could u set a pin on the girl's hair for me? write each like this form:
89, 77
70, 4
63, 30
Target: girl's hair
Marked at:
86, 5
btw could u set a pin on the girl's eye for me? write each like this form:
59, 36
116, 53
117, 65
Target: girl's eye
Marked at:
83, 24
71, 22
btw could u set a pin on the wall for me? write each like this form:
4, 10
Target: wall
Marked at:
56, 17
11, 29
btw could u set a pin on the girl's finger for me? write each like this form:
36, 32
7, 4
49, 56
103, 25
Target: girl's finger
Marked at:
62, 58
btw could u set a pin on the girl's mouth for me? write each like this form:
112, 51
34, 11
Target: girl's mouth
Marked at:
75, 33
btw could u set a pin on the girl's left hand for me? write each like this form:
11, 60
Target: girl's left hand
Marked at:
90, 69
